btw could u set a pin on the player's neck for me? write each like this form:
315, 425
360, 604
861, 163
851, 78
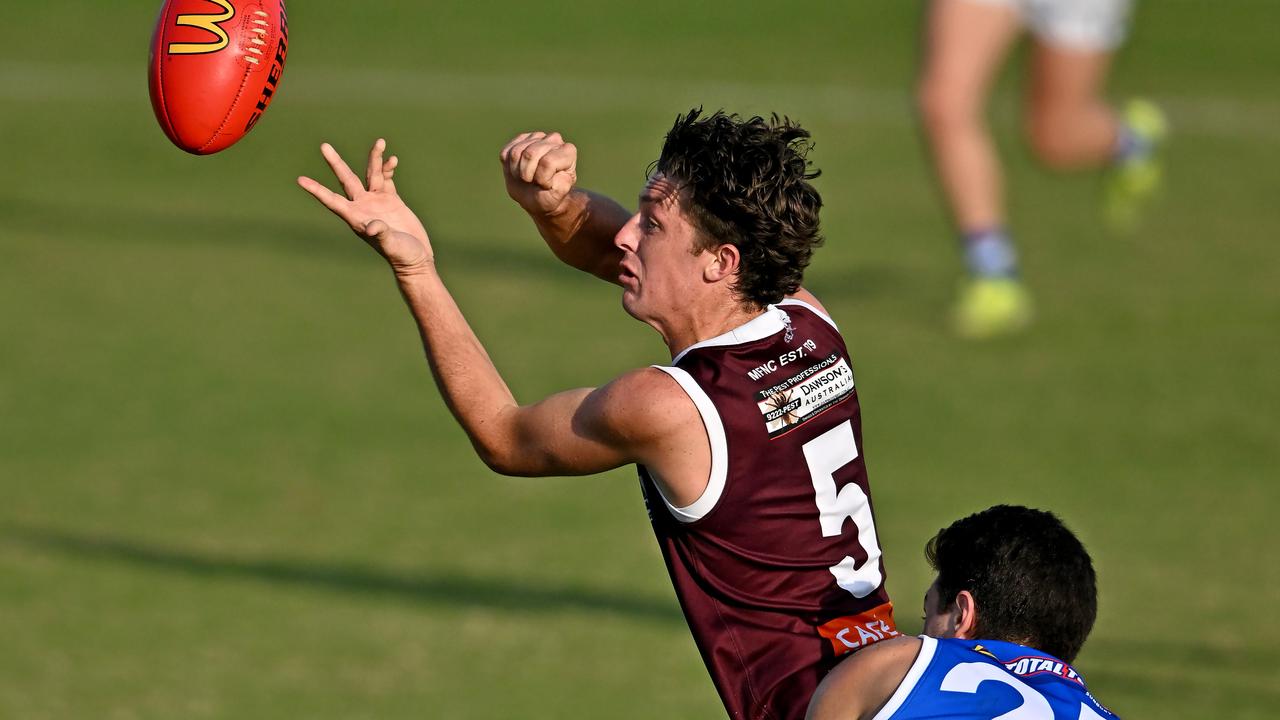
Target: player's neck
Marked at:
703, 321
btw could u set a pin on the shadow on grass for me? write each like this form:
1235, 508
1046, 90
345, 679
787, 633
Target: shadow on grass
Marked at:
438, 589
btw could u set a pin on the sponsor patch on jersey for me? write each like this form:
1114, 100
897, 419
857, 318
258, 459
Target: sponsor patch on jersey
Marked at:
858, 631
1029, 665
803, 396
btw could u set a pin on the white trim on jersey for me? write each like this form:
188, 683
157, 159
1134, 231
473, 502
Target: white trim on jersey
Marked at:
699, 508
927, 647
812, 309
771, 321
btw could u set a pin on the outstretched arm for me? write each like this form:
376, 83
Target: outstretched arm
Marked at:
541, 173
574, 432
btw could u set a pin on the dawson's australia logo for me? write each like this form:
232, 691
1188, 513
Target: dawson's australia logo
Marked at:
805, 395
210, 23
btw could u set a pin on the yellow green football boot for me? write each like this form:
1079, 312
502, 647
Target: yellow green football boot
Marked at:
989, 307
1134, 180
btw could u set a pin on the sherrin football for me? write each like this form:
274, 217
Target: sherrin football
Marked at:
215, 67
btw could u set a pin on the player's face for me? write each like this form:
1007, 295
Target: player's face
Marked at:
659, 271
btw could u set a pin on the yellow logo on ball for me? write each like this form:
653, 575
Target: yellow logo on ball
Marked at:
209, 22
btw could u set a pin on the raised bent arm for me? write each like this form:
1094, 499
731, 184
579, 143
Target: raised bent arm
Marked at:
575, 432
541, 173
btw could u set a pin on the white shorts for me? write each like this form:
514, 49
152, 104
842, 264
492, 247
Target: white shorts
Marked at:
1076, 24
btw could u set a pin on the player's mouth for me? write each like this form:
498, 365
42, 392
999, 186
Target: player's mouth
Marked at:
627, 277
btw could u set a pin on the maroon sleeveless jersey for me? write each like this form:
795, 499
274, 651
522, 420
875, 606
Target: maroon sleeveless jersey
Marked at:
776, 566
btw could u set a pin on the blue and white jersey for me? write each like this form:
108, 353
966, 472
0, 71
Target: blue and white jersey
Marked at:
986, 679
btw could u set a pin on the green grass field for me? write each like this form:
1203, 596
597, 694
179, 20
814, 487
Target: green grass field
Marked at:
228, 488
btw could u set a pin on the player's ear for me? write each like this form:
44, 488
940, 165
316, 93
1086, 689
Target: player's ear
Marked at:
965, 612
723, 264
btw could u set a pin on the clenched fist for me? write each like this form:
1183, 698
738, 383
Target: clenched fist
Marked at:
540, 169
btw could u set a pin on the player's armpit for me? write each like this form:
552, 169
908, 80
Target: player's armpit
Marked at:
861, 684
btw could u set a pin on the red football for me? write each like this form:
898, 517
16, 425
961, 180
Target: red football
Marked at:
215, 67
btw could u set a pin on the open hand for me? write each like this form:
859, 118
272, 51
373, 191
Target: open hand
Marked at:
540, 169
373, 209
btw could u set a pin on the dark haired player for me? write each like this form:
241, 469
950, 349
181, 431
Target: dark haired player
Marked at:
748, 443
1014, 599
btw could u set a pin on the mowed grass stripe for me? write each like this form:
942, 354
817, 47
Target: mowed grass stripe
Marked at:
1252, 118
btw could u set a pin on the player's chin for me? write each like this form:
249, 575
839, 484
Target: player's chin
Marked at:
631, 302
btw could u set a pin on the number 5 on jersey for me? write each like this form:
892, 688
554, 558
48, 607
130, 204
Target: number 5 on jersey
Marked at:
826, 454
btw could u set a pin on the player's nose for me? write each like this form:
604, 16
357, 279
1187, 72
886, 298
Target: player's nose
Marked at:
628, 235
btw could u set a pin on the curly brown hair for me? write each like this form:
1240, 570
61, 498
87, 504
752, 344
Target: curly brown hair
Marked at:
746, 183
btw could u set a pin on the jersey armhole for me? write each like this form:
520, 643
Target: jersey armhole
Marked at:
928, 646
812, 309
699, 508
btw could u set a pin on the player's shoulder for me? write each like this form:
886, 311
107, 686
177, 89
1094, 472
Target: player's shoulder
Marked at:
645, 402
805, 298
883, 656
862, 683
802, 298
643, 388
